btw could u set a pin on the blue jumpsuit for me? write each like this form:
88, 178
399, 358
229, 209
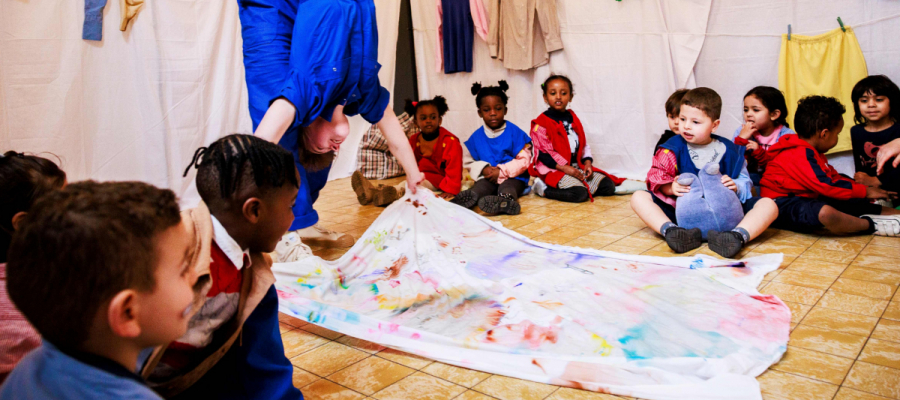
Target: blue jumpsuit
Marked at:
317, 54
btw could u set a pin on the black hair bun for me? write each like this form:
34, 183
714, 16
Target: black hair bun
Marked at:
503, 85
410, 108
476, 87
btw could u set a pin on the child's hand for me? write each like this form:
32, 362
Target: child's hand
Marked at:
752, 146
446, 196
680, 190
863, 178
747, 130
729, 183
875, 193
571, 171
588, 169
491, 173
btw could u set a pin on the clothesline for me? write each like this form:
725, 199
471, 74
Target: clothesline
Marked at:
867, 23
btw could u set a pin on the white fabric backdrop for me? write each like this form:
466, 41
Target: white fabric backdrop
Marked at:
625, 58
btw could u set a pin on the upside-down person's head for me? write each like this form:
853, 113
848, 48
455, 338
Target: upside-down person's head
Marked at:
102, 267
249, 185
322, 139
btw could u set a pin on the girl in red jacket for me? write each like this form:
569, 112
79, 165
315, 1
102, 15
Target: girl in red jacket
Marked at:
438, 154
562, 162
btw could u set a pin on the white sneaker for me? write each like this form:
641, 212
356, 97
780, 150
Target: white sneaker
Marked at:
538, 187
885, 225
290, 248
318, 236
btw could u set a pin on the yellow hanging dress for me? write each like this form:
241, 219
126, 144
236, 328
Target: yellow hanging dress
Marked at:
829, 64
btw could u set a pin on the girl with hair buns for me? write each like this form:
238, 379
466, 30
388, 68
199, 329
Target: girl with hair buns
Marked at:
499, 153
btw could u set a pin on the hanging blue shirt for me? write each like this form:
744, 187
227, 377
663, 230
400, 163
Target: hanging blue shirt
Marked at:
48, 373
501, 149
317, 54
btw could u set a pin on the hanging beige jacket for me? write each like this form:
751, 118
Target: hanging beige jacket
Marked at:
511, 33
256, 282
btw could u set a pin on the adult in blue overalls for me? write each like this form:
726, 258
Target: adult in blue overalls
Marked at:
309, 64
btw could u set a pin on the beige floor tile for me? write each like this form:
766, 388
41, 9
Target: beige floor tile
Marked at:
805, 279
875, 379
798, 311
841, 245
790, 386
864, 288
619, 229
846, 393
870, 261
852, 303
786, 249
829, 255
840, 321
371, 375
813, 364
506, 388
460, 376
893, 310
881, 352
552, 239
817, 267
410, 360
885, 241
303, 378
420, 386
359, 344
827, 341
797, 294
872, 275
881, 251
323, 389
323, 332
567, 232
329, 358
290, 320
576, 394
887, 329
283, 327
641, 244
299, 341
473, 395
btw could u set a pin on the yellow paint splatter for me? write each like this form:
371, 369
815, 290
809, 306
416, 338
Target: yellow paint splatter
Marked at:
548, 304
604, 348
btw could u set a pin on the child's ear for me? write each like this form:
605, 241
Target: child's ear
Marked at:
122, 314
17, 219
775, 115
715, 125
251, 209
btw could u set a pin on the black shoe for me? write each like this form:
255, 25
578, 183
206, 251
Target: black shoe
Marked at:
682, 240
499, 205
466, 198
725, 244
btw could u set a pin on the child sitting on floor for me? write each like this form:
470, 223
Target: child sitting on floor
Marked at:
23, 179
809, 192
688, 153
498, 156
437, 151
102, 271
876, 126
673, 114
248, 186
765, 121
562, 163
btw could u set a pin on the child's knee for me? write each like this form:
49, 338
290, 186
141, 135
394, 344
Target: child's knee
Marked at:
829, 215
640, 199
767, 206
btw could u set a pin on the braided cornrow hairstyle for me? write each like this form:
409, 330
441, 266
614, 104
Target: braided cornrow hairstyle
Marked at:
236, 163
480, 92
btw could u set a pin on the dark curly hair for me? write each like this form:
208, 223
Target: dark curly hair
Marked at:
79, 247
238, 166
878, 85
438, 102
815, 113
480, 92
23, 179
555, 77
772, 99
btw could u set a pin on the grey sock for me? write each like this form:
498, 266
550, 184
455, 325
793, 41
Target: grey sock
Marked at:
665, 227
743, 232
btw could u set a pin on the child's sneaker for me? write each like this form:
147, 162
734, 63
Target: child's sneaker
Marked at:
885, 225
725, 244
682, 240
385, 195
362, 187
502, 204
466, 198
290, 248
538, 187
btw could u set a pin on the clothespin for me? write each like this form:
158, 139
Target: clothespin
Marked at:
789, 32
842, 24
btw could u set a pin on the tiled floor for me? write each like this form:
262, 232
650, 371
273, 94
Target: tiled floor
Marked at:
845, 340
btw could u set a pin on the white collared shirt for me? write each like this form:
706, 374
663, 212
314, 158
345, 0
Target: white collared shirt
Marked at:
490, 133
228, 245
